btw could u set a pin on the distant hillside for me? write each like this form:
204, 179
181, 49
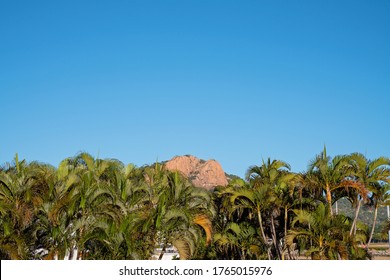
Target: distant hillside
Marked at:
366, 214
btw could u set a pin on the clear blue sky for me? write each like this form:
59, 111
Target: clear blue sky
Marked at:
235, 81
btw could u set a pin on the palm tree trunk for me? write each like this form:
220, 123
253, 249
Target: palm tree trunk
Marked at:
373, 225
285, 230
274, 238
262, 233
261, 226
285, 220
329, 199
353, 228
269, 253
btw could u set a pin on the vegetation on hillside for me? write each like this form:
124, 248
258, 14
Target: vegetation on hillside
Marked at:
103, 209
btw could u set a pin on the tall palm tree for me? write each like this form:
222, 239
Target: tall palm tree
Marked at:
276, 177
329, 174
55, 225
181, 215
230, 220
290, 197
20, 198
255, 201
260, 196
369, 173
86, 192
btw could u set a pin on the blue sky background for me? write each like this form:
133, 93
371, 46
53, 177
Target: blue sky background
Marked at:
235, 81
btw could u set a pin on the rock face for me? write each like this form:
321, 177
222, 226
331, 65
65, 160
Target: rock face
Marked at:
203, 174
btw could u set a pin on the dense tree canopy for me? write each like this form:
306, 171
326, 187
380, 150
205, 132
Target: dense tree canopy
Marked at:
88, 208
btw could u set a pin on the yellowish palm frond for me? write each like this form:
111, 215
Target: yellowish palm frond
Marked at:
204, 222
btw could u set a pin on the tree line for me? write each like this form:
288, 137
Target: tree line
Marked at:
88, 208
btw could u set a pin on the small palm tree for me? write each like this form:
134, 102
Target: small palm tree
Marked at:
240, 241
380, 198
322, 236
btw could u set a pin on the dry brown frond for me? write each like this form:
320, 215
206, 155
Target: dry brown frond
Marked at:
363, 191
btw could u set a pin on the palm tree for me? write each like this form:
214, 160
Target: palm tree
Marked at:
275, 177
55, 224
260, 196
20, 198
329, 174
187, 215
84, 196
369, 173
124, 238
53, 232
181, 215
239, 241
380, 197
245, 197
290, 197
321, 235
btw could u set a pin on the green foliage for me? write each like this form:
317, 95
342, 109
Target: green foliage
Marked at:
90, 208
323, 236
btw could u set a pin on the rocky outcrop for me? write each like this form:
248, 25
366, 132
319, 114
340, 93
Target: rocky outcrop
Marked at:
203, 174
